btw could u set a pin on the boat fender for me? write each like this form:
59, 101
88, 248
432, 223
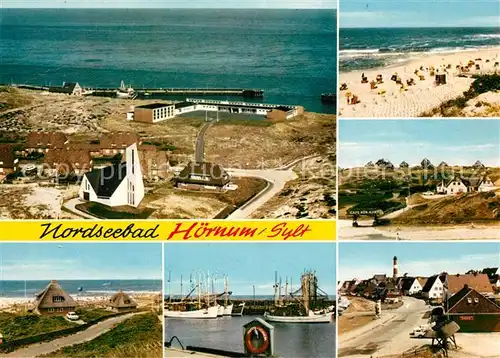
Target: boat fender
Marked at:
248, 340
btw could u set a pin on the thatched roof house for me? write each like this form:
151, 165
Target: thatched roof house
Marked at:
53, 300
202, 176
120, 302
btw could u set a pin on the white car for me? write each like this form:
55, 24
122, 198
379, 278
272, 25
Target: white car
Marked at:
72, 316
420, 331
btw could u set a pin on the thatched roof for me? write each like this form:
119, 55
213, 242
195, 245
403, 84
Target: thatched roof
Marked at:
53, 296
443, 164
478, 164
370, 164
122, 300
404, 164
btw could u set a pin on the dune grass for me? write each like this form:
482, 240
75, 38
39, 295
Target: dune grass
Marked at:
15, 326
139, 336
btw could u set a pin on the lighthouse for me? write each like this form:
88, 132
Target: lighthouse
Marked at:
395, 268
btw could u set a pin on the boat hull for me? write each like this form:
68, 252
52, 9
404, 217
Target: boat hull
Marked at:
206, 313
314, 318
228, 310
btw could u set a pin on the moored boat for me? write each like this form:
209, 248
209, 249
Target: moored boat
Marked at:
311, 318
204, 313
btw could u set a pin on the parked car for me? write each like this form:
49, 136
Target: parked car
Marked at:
72, 316
420, 331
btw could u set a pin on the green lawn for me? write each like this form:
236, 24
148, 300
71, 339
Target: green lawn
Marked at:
107, 212
138, 337
88, 315
15, 326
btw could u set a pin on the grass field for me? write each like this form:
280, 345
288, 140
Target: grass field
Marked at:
138, 337
15, 326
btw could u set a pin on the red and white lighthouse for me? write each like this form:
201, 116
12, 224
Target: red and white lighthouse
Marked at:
395, 267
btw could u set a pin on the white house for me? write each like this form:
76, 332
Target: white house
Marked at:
433, 288
116, 185
486, 184
411, 286
452, 187
465, 185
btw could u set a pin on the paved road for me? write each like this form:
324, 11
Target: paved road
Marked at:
387, 335
276, 182
91, 333
200, 143
71, 206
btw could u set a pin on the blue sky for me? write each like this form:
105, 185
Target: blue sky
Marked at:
249, 264
418, 13
72, 261
457, 142
363, 260
265, 4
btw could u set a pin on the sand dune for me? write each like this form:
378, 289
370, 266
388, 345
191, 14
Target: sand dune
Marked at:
424, 95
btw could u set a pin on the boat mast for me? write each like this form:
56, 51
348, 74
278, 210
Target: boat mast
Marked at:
286, 288
275, 288
208, 289
227, 292
181, 285
279, 294
199, 291
169, 287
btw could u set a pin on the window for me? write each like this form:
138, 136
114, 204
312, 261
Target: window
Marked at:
127, 302
133, 161
476, 300
51, 310
57, 299
469, 300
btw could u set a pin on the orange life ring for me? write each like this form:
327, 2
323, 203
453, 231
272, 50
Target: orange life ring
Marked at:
248, 340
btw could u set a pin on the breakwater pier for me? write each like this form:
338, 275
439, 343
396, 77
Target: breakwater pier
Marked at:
144, 92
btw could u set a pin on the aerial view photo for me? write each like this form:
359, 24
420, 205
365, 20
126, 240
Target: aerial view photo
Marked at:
240, 307
400, 59
419, 300
149, 111
81, 300
419, 179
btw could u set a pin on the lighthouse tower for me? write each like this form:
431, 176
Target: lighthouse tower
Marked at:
395, 268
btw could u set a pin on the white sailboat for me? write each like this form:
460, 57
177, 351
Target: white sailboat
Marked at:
184, 309
311, 318
204, 313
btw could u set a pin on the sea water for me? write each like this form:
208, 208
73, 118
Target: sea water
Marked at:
290, 54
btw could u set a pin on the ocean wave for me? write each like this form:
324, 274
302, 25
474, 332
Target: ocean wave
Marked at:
486, 36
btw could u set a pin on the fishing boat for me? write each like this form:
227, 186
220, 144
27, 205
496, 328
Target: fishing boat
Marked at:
189, 308
228, 306
308, 304
124, 92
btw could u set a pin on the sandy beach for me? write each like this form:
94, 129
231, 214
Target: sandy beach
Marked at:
389, 100
143, 299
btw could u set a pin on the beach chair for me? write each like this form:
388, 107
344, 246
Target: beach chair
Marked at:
477, 66
355, 99
364, 79
380, 79
373, 85
343, 86
422, 77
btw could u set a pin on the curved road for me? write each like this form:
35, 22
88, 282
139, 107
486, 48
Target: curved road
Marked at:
91, 333
387, 335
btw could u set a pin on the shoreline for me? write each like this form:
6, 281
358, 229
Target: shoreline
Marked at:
7, 303
391, 100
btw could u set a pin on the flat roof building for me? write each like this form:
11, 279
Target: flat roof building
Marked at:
154, 112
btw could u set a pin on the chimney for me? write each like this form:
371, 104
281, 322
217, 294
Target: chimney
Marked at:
395, 268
